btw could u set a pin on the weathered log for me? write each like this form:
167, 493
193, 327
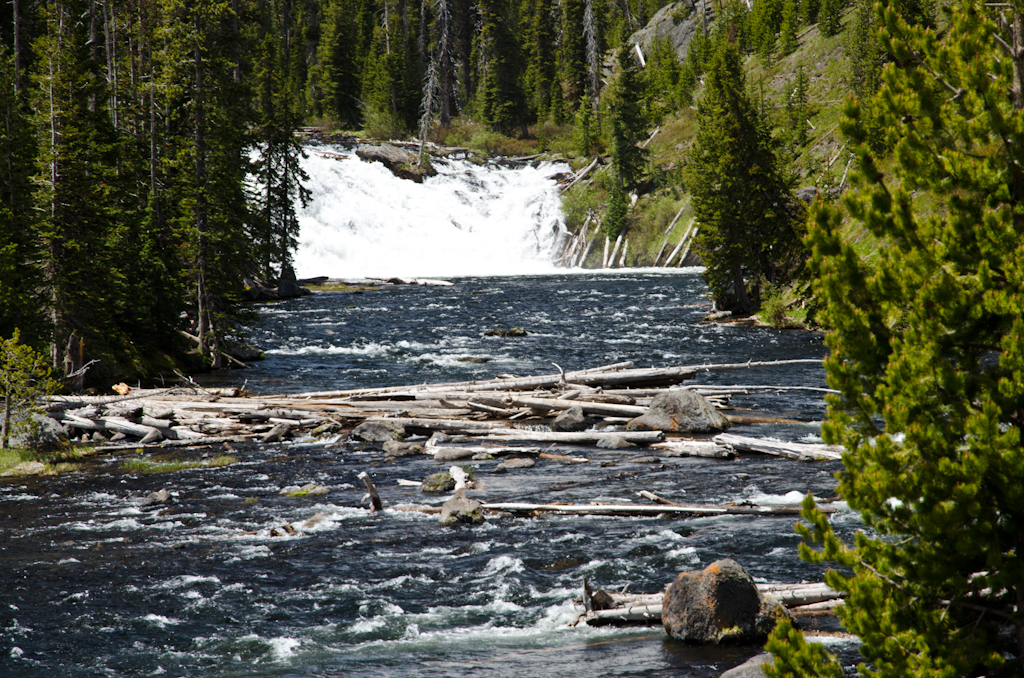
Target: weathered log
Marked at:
695, 448
560, 457
116, 424
798, 451
582, 174
375, 502
642, 509
582, 438
589, 407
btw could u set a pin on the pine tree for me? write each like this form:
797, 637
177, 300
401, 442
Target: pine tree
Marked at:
542, 72
74, 178
209, 116
749, 220
628, 121
500, 97
19, 302
277, 168
336, 77
585, 132
830, 17
574, 52
927, 352
788, 29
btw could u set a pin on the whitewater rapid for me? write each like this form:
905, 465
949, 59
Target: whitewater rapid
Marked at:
469, 220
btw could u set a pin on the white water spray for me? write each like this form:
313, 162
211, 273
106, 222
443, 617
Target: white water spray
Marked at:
363, 221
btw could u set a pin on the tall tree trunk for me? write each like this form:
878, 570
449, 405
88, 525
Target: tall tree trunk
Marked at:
17, 46
208, 344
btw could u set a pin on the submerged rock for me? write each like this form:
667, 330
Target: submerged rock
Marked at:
719, 604
570, 420
510, 332
378, 431
679, 410
461, 509
158, 497
394, 448
518, 462
614, 443
307, 490
452, 453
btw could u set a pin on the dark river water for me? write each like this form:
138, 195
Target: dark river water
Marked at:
96, 584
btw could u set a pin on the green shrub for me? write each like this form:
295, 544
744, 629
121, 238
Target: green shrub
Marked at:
383, 125
773, 308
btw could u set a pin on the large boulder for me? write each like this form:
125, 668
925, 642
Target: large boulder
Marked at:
571, 419
461, 509
679, 410
378, 431
719, 604
42, 433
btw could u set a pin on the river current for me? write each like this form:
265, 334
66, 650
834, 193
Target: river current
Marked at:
96, 584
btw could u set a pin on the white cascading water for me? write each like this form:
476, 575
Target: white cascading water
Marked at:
469, 220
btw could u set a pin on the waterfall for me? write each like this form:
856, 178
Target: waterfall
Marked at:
470, 219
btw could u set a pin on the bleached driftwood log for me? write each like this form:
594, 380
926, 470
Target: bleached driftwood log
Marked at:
798, 451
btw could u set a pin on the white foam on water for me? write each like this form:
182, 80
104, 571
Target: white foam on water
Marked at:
469, 220
686, 554
791, 498
188, 580
283, 647
160, 621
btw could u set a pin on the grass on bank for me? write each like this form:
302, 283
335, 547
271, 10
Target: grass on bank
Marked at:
54, 462
151, 465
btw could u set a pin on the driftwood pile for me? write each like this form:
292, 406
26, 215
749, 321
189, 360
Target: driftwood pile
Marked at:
505, 409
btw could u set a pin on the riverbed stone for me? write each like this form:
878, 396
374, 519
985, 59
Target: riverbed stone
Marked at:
517, 462
444, 454
157, 498
614, 442
395, 448
461, 509
378, 431
438, 483
570, 420
719, 604
752, 668
681, 411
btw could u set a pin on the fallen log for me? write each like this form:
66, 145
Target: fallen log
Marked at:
695, 448
582, 438
589, 407
581, 175
798, 451
641, 509
607, 607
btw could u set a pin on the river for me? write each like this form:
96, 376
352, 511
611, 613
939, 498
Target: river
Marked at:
97, 585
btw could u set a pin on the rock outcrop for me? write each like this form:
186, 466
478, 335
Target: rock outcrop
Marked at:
752, 668
681, 411
400, 162
677, 21
719, 604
